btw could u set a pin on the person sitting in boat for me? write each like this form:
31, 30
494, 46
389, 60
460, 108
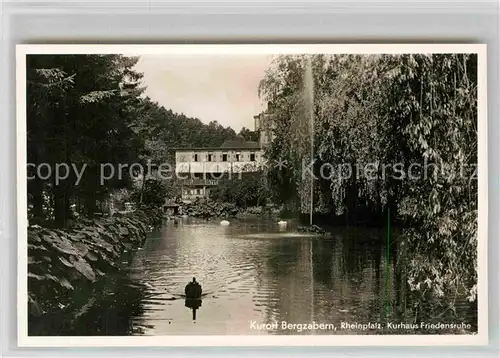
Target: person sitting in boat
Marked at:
193, 290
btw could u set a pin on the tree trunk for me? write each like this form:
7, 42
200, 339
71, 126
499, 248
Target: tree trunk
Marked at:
143, 185
36, 191
90, 205
61, 206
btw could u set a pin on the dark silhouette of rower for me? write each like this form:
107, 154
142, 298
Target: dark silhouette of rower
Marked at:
193, 289
193, 296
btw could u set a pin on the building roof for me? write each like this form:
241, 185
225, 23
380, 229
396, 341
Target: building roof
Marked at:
240, 143
233, 144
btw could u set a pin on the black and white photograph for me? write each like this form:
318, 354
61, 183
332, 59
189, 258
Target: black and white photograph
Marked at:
277, 194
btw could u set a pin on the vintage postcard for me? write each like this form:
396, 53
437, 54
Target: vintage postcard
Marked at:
175, 195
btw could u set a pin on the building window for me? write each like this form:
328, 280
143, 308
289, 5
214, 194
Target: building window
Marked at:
224, 157
252, 157
196, 157
238, 157
209, 157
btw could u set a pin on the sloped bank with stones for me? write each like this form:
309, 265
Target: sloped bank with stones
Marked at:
65, 265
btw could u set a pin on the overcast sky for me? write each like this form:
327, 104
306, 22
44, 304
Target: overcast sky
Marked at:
212, 88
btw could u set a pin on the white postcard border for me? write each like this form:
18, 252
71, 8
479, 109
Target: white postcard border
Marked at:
481, 338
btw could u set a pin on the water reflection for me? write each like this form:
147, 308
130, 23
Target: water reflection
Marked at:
107, 310
248, 280
193, 304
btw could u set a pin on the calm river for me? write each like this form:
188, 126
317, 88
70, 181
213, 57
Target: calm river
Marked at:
251, 280
251, 275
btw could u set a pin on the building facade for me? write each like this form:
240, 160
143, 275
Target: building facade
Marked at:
200, 169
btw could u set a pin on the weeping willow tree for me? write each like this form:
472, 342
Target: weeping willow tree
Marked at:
292, 116
440, 130
393, 134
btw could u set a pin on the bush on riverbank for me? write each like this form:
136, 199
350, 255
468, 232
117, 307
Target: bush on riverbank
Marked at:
151, 215
265, 211
62, 262
206, 208
247, 191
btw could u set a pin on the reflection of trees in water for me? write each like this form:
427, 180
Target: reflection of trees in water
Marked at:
320, 278
324, 279
348, 273
283, 277
109, 311
291, 274
360, 249
283, 256
323, 253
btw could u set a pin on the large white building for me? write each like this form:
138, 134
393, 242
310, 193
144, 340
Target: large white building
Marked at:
199, 169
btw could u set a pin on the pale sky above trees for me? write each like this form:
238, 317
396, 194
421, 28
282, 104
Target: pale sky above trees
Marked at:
209, 87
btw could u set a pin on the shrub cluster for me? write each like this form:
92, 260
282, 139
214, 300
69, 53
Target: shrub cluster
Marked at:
62, 261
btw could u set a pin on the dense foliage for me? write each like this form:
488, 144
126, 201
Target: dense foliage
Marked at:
165, 130
206, 208
85, 111
80, 112
62, 262
249, 135
152, 194
393, 135
249, 190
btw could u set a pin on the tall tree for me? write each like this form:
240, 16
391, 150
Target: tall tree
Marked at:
81, 109
379, 120
249, 135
